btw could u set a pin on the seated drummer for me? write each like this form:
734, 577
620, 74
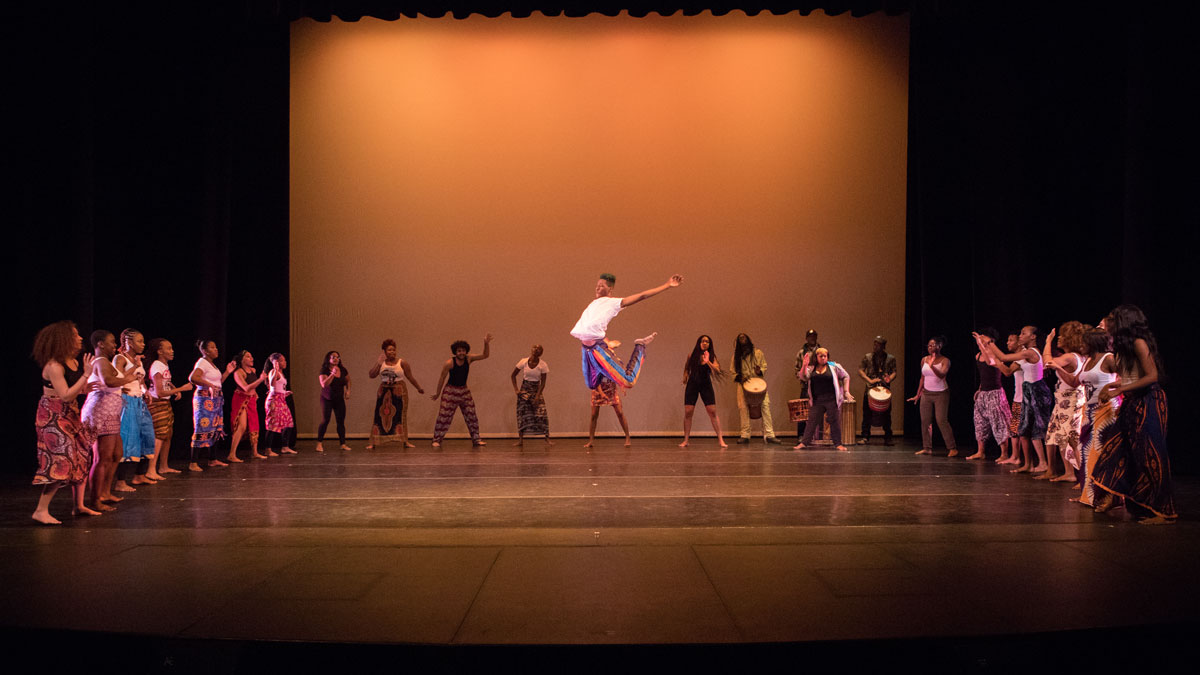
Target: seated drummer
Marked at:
878, 368
748, 361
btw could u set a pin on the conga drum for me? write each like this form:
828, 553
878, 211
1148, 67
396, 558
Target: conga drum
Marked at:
848, 421
879, 399
754, 390
798, 409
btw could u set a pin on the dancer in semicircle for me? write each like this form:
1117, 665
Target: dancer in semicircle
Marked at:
598, 362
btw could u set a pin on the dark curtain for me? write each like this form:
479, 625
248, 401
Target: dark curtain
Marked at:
1050, 172
150, 185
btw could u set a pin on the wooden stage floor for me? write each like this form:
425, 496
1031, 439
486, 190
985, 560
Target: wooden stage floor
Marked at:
754, 545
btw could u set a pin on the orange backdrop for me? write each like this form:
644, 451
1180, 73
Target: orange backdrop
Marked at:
454, 177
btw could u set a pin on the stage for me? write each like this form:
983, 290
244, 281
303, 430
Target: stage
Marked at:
654, 544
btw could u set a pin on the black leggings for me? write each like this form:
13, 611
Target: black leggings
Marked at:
338, 408
277, 440
701, 390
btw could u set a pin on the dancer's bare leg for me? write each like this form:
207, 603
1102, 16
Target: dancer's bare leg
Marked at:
979, 454
716, 422
548, 441
621, 418
77, 493
239, 428
42, 513
688, 410
592, 427
150, 477
1026, 457
162, 449
1050, 471
1039, 448
1068, 475
102, 467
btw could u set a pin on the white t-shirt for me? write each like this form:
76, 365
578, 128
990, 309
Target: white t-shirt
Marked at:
593, 323
156, 368
210, 373
533, 374
390, 374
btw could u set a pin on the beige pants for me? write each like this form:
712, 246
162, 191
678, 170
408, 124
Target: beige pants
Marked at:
744, 412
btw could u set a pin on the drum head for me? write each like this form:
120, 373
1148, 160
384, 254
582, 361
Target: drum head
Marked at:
880, 394
755, 385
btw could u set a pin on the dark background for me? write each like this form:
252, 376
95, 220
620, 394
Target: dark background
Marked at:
1051, 157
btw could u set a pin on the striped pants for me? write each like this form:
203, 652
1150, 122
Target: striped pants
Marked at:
454, 398
599, 362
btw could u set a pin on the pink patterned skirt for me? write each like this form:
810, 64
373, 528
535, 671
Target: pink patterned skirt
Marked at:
279, 416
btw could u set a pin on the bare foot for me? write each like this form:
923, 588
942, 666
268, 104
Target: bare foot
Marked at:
320, 447
646, 340
84, 511
258, 455
842, 448
155, 477
101, 506
479, 443
436, 444
45, 518
1065, 478
588, 444
683, 444
143, 480
346, 448
272, 453
923, 452
952, 453
288, 451
406, 444
167, 469
798, 446
122, 486
628, 442
721, 442
369, 447
1040, 468
1043, 476
1019, 469
194, 467
978, 455
232, 459
217, 462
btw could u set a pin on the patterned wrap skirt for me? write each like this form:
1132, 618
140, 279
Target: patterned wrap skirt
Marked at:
1035, 414
1133, 463
163, 416
391, 411
1099, 424
208, 418
605, 393
64, 444
249, 403
1066, 419
992, 416
279, 415
532, 418
137, 428
1014, 424
102, 413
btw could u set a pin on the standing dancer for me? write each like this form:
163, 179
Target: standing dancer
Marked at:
137, 427
102, 416
161, 391
281, 426
1020, 446
1099, 419
1038, 400
698, 370
992, 415
828, 385
335, 390
1133, 464
208, 404
604, 394
749, 361
1062, 434
391, 401
64, 446
592, 327
455, 393
878, 369
933, 395
532, 418
245, 407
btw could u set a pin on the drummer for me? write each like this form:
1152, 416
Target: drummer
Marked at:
878, 369
749, 363
810, 345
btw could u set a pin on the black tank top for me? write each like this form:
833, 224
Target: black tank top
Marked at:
989, 376
70, 376
458, 374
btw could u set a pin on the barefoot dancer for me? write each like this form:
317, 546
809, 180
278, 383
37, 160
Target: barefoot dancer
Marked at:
281, 426
63, 444
455, 393
1062, 434
391, 401
1038, 400
245, 407
604, 394
992, 415
591, 329
102, 416
1099, 419
698, 372
828, 387
161, 391
137, 427
335, 390
933, 395
532, 419
208, 403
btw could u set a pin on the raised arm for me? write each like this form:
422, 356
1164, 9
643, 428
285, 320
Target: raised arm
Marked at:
674, 281
374, 372
487, 350
940, 371
58, 382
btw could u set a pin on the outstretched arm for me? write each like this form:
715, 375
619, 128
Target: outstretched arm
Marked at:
674, 281
487, 349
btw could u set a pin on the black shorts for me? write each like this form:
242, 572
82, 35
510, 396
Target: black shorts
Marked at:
702, 390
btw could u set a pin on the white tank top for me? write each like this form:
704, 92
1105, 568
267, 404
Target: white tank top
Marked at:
279, 386
137, 387
1032, 372
1079, 364
932, 381
97, 376
390, 375
1095, 378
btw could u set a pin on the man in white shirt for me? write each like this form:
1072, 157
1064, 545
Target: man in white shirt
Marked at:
598, 360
